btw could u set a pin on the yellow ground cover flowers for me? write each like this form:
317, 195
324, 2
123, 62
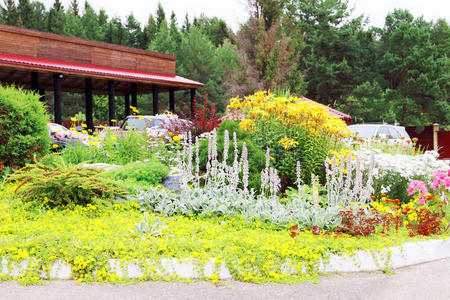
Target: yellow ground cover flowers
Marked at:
87, 237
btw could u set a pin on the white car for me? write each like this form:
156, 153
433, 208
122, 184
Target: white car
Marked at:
62, 136
393, 133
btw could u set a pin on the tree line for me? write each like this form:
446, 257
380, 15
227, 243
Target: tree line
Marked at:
397, 73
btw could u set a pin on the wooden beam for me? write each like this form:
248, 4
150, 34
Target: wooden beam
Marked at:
155, 100
89, 103
172, 99
111, 100
57, 98
192, 102
11, 74
134, 94
127, 105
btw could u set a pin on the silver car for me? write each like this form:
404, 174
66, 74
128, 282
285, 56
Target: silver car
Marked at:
393, 133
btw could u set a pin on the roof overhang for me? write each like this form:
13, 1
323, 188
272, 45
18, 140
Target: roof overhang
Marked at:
72, 69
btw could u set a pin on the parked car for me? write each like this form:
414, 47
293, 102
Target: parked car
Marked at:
62, 136
159, 125
393, 133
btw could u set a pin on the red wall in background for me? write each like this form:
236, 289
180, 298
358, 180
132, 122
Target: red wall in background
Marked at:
426, 140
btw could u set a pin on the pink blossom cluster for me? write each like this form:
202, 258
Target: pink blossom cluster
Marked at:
440, 177
418, 186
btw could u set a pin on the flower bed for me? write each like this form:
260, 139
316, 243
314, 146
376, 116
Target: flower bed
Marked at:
86, 238
231, 211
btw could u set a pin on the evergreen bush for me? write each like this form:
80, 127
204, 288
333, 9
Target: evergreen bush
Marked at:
23, 127
58, 184
150, 172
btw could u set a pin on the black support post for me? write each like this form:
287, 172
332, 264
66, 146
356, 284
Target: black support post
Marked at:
155, 100
192, 102
134, 94
127, 105
42, 95
57, 98
35, 82
89, 103
111, 100
172, 100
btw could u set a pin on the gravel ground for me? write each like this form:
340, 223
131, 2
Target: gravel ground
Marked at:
424, 281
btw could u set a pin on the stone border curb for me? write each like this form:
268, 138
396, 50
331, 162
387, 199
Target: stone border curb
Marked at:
395, 257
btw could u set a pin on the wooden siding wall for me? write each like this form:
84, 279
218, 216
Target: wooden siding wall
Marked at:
14, 40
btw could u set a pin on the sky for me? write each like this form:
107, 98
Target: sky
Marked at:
234, 12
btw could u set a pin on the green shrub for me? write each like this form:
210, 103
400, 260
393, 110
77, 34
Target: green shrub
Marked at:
150, 172
60, 184
256, 155
23, 127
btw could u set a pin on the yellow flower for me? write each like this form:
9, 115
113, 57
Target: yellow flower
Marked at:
412, 217
177, 138
140, 117
73, 119
248, 125
113, 120
287, 143
113, 137
84, 125
55, 146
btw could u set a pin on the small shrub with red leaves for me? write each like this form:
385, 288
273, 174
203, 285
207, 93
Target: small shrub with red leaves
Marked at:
359, 223
203, 119
428, 223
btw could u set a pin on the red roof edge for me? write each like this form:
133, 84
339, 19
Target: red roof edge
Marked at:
65, 66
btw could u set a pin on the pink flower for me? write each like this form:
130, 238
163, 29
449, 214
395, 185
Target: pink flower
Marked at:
422, 200
417, 185
441, 177
59, 135
71, 134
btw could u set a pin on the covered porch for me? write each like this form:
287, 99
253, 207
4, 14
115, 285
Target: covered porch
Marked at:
48, 62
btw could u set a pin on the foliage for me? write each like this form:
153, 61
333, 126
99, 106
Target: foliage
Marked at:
359, 223
199, 60
345, 182
315, 48
266, 53
130, 147
204, 118
293, 129
62, 185
149, 172
392, 172
23, 128
86, 238
415, 69
255, 154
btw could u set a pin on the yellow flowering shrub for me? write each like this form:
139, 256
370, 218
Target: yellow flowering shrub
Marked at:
293, 129
291, 111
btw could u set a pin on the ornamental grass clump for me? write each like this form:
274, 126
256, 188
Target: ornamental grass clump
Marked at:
63, 185
293, 129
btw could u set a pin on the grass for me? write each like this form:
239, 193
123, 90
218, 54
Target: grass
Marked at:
86, 237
